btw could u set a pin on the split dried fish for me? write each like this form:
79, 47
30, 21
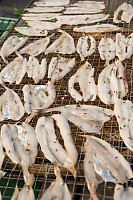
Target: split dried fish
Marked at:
37, 47
29, 31
41, 16
44, 9
98, 28
12, 44
14, 71
50, 146
58, 189
124, 46
81, 10
20, 143
59, 67
64, 44
90, 4
41, 24
50, 3
35, 70
83, 47
88, 118
81, 19
127, 13
123, 193
38, 96
112, 79
106, 49
123, 110
103, 162
87, 84
2, 156
11, 106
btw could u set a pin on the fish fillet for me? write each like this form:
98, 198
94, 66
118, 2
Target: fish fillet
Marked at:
41, 24
44, 9
50, 3
2, 156
58, 189
124, 46
12, 44
127, 13
50, 146
64, 44
87, 84
98, 28
37, 47
83, 47
11, 106
35, 70
112, 79
20, 143
123, 193
38, 96
103, 162
41, 16
29, 31
106, 49
59, 67
81, 19
123, 110
14, 71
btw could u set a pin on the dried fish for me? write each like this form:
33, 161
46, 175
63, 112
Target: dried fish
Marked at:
12, 44
36, 47
40, 16
41, 24
20, 143
90, 4
50, 146
83, 47
44, 9
11, 106
103, 162
81, 19
127, 13
98, 28
35, 70
81, 10
107, 49
14, 71
38, 96
124, 46
87, 84
123, 193
29, 31
2, 156
64, 44
112, 79
59, 67
58, 189
50, 3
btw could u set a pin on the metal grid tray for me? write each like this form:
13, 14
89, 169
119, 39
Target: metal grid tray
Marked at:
42, 168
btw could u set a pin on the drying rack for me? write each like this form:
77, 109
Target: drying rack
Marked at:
42, 168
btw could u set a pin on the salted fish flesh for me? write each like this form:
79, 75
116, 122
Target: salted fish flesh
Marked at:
11, 106
38, 96
35, 70
35, 48
89, 4
41, 24
112, 79
123, 110
106, 49
41, 16
59, 67
29, 31
81, 10
14, 71
64, 44
58, 189
103, 162
50, 146
98, 28
124, 46
87, 84
12, 44
2, 156
83, 47
20, 143
81, 19
50, 3
127, 13
44, 9
88, 118
123, 193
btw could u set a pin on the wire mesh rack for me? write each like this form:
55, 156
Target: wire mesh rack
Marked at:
42, 168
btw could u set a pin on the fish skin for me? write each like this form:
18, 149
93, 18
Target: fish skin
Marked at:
123, 193
29, 31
